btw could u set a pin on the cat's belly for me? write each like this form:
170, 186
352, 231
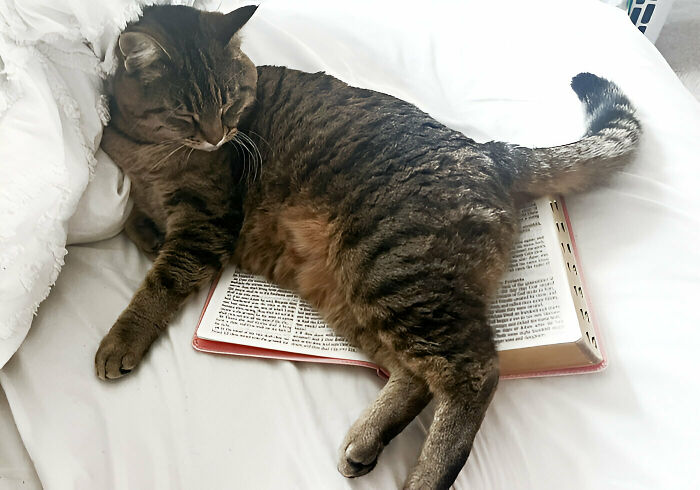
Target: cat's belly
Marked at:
295, 247
280, 243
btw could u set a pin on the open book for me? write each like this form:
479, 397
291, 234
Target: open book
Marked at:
540, 316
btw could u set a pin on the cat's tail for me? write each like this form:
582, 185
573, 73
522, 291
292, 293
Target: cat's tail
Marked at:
612, 136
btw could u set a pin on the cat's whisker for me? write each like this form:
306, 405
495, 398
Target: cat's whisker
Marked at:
159, 148
258, 149
258, 155
261, 139
240, 155
187, 158
252, 143
257, 158
252, 163
248, 159
157, 165
245, 154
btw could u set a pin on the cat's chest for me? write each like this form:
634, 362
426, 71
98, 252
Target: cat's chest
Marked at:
158, 172
204, 183
150, 197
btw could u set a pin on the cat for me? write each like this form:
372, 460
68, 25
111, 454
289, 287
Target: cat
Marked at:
395, 227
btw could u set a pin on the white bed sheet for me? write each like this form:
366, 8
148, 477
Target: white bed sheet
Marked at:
192, 420
16, 468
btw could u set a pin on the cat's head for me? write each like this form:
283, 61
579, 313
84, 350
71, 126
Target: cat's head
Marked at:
182, 76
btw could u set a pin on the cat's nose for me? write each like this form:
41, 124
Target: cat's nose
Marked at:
213, 131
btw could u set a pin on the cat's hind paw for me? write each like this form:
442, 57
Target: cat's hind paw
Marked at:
359, 457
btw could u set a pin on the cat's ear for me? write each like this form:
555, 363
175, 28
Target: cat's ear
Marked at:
140, 51
229, 24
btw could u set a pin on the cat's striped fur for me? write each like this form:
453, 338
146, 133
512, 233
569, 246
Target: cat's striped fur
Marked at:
394, 226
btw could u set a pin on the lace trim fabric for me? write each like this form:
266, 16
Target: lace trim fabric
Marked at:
64, 41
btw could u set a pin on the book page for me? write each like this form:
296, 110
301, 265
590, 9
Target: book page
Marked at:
532, 306
248, 310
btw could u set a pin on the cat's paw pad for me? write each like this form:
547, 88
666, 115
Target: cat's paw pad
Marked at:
360, 457
115, 357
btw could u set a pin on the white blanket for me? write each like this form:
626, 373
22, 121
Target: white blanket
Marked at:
53, 56
492, 70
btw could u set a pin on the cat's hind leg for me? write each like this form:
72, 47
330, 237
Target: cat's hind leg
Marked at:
462, 380
461, 375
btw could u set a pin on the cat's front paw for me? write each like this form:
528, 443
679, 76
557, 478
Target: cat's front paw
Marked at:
120, 351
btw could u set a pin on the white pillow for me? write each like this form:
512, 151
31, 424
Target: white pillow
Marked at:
104, 206
51, 115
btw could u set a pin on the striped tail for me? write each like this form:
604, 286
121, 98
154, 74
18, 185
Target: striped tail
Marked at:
612, 137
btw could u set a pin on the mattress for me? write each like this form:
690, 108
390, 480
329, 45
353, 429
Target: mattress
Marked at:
494, 70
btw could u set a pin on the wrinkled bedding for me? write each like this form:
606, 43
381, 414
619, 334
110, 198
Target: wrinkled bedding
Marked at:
54, 56
494, 70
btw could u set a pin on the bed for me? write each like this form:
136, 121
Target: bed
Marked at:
494, 70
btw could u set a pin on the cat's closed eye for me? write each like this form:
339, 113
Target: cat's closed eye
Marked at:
189, 118
181, 121
230, 114
233, 110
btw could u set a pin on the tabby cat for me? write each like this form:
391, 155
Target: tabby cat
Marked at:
395, 227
